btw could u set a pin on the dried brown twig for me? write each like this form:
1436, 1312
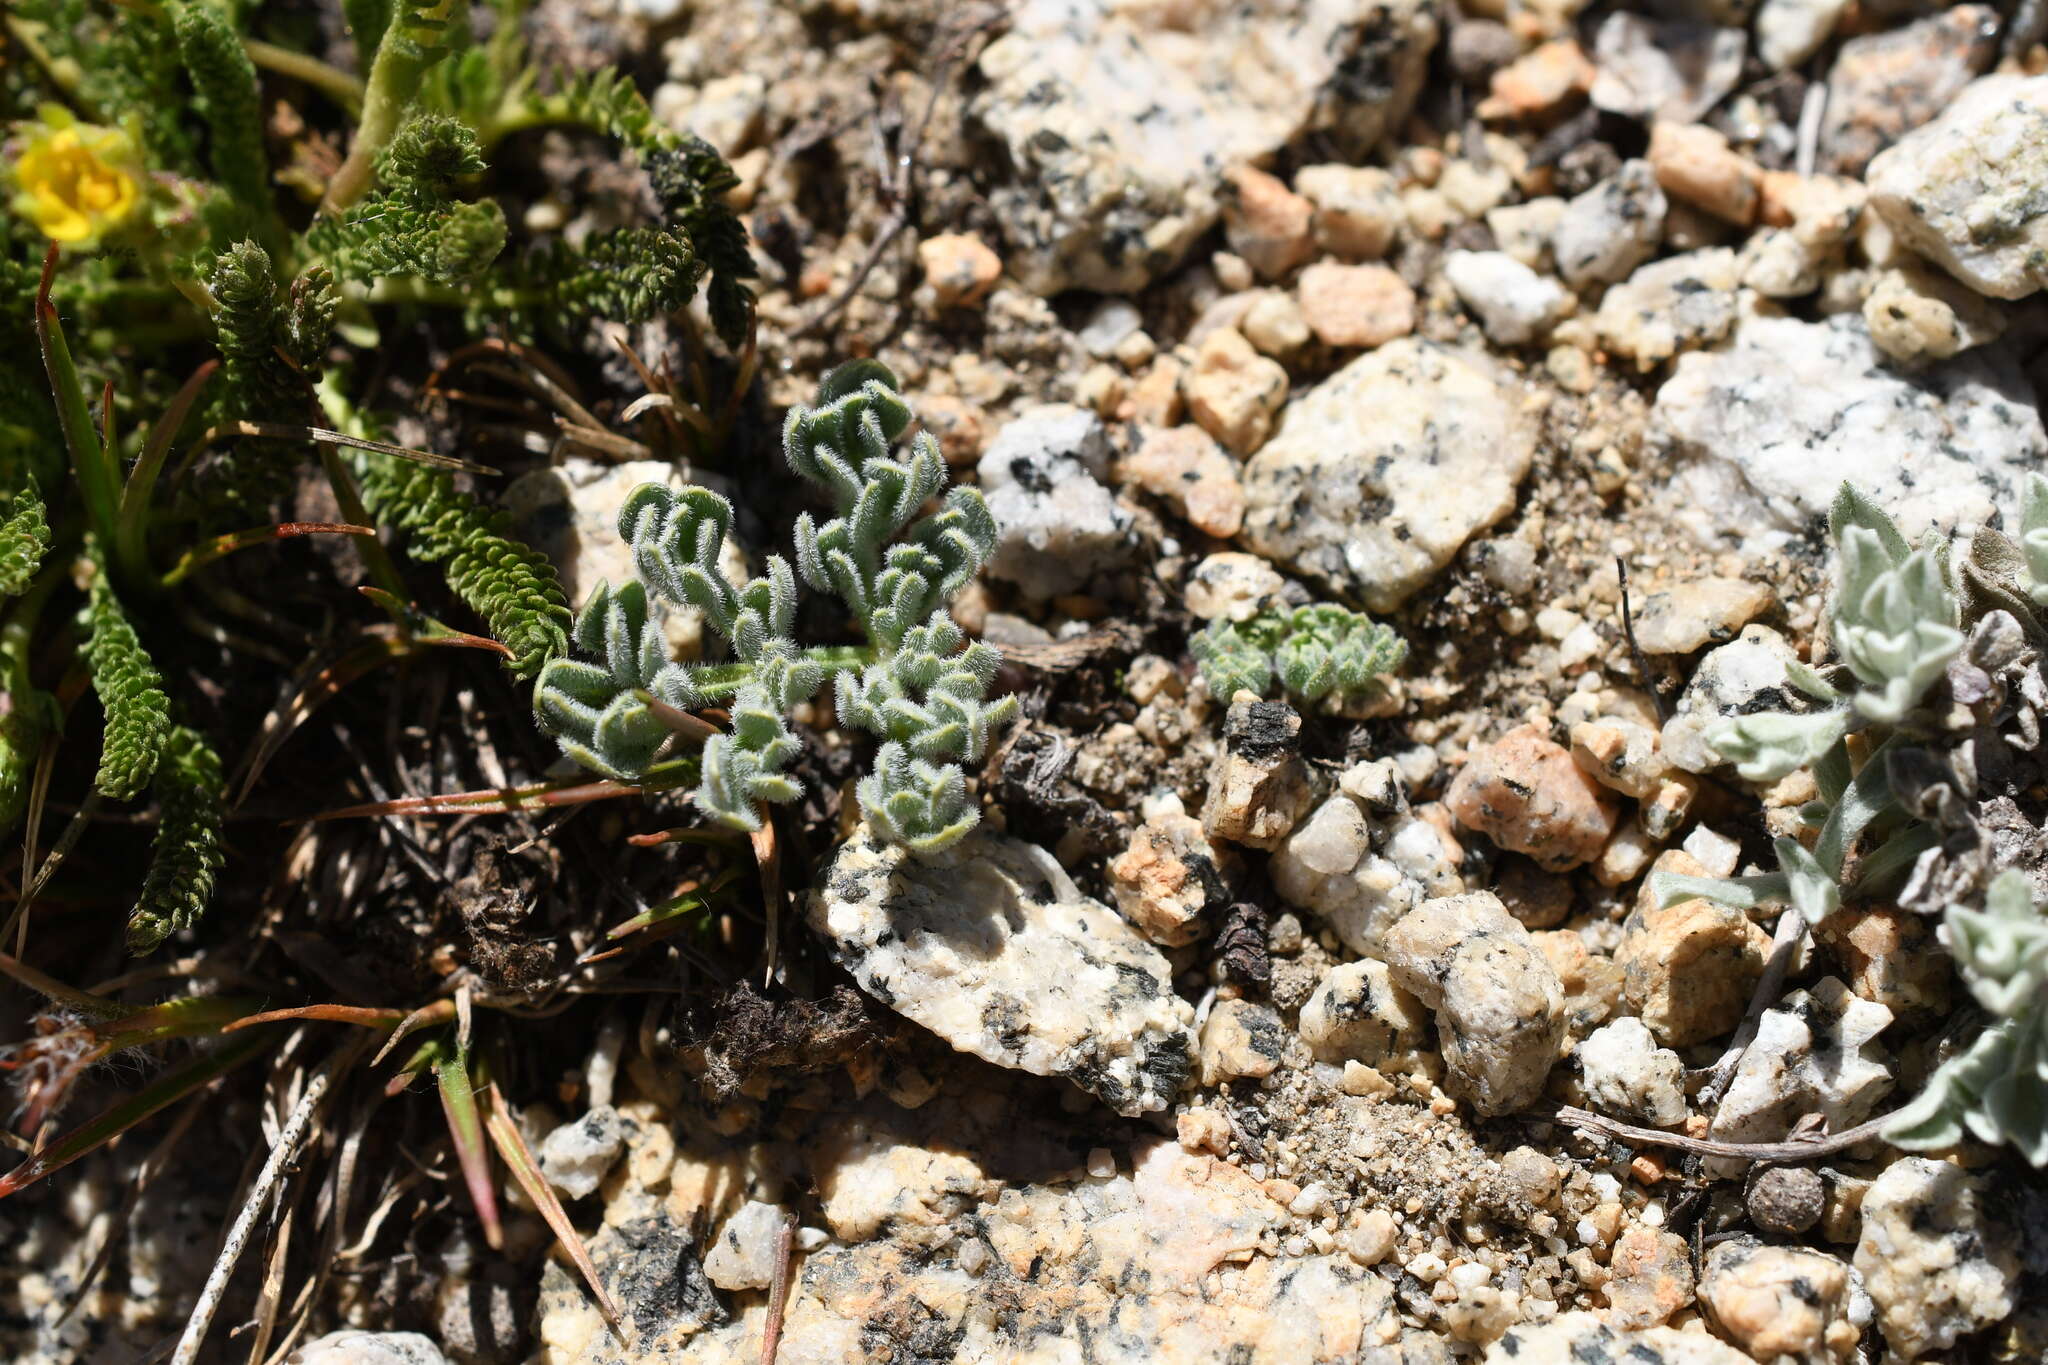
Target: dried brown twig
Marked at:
1764, 1153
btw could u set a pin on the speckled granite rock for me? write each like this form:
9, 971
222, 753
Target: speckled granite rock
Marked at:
742, 1255
1786, 1305
1513, 303
1499, 1006
1629, 1077
1965, 189
1120, 121
1764, 431
1361, 871
1579, 1338
1169, 1261
1743, 676
1380, 473
990, 945
1611, 229
1689, 968
1240, 1038
1937, 1259
1816, 1053
1652, 1278
1167, 881
575, 1156
1883, 85
1525, 793
1058, 524
1258, 785
1678, 304
368, 1348
1358, 1014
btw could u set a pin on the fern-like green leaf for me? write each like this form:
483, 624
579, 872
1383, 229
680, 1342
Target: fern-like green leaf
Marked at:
414, 225
186, 857
138, 714
228, 98
691, 181
24, 540
270, 351
514, 588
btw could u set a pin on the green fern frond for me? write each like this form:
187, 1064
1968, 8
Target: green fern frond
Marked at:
270, 352
626, 275
691, 180
229, 99
24, 540
514, 589
186, 857
21, 741
138, 714
414, 225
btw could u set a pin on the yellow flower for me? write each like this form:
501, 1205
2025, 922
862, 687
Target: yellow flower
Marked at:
76, 181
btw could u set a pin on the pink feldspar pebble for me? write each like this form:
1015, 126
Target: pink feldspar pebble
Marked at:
1525, 793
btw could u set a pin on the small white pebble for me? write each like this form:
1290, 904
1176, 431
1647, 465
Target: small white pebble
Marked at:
1428, 1267
810, 1239
1369, 1242
1653, 1214
1607, 1187
1471, 1275
973, 1256
1587, 1234
1297, 1246
1310, 1201
1101, 1162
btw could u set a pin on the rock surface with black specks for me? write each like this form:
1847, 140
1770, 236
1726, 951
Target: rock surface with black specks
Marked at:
1120, 123
990, 945
1762, 432
1582, 1338
1499, 1006
1381, 472
1938, 1262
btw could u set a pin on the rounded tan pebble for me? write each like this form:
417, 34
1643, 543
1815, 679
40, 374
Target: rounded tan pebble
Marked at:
960, 268
1356, 305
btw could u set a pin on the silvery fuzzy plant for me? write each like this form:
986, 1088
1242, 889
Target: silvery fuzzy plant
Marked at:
1322, 653
1996, 1090
917, 685
1896, 622
1900, 621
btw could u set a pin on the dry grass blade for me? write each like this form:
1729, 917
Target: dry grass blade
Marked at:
316, 687
290, 432
267, 1180
365, 1015
519, 1157
215, 547
568, 793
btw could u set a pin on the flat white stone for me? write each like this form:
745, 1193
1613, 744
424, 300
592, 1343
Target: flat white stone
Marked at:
990, 945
